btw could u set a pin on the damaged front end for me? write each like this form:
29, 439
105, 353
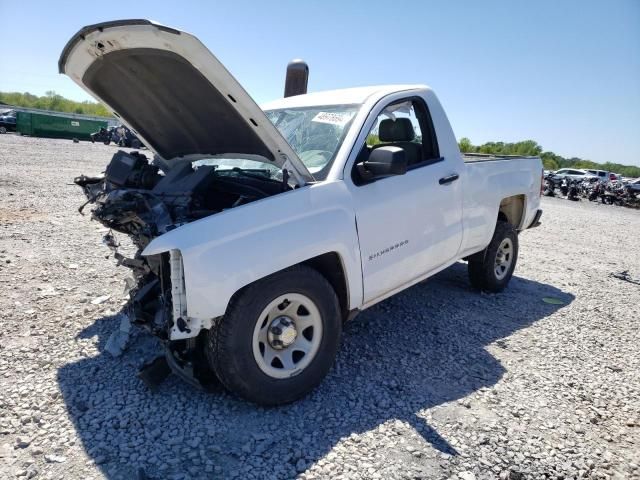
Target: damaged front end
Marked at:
214, 149
137, 198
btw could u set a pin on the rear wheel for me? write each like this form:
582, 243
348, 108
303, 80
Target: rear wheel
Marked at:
491, 270
3, 130
278, 338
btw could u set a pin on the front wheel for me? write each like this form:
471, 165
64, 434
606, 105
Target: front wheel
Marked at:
491, 270
278, 338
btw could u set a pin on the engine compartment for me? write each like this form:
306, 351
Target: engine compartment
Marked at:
136, 197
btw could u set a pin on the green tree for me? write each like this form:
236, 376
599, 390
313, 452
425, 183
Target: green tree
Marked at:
54, 102
465, 145
550, 164
373, 139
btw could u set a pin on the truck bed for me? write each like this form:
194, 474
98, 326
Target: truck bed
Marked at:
489, 157
492, 178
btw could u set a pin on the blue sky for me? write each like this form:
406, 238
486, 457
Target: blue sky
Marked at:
563, 73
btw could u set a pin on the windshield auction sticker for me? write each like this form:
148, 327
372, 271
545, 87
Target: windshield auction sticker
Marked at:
333, 118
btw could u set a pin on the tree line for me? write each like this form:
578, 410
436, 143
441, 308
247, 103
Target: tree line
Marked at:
54, 102
550, 160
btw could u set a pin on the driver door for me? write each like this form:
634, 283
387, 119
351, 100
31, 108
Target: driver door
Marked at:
407, 224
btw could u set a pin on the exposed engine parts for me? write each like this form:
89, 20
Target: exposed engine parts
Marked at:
136, 198
145, 199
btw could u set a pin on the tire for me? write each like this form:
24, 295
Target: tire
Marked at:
107, 141
3, 130
135, 143
484, 273
239, 345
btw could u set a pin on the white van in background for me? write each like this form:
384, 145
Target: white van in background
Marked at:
602, 175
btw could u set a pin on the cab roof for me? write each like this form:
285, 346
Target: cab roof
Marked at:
345, 96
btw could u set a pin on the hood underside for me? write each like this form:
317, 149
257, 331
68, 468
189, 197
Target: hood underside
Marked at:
167, 87
166, 99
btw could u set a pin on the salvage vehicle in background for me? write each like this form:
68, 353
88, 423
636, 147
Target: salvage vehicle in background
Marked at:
572, 174
602, 175
124, 137
120, 135
8, 122
260, 232
633, 186
103, 135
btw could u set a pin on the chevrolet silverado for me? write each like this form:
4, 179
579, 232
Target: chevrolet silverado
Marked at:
259, 231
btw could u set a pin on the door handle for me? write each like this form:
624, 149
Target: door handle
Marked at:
448, 179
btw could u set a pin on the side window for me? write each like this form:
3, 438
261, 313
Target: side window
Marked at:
399, 124
405, 124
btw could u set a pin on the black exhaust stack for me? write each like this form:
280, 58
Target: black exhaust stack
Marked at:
297, 77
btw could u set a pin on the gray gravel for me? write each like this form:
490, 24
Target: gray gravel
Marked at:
438, 382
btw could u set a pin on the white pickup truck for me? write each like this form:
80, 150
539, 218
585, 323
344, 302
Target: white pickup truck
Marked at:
260, 231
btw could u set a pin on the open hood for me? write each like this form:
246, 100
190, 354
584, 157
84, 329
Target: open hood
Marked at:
174, 93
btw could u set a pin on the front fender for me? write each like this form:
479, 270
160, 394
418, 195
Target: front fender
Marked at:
227, 251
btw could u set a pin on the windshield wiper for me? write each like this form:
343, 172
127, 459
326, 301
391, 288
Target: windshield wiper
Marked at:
250, 174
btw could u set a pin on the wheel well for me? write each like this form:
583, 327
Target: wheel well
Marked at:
511, 210
330, 266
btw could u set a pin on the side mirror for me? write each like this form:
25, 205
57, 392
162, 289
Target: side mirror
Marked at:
382, 162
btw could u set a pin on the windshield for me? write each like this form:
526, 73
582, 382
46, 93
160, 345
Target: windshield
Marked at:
315, 133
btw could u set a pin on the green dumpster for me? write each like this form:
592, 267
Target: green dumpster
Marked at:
57, 125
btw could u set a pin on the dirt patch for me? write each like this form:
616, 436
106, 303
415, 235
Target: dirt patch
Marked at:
12, 216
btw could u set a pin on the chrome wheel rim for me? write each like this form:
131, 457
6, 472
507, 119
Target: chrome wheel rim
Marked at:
504, 258
287, 335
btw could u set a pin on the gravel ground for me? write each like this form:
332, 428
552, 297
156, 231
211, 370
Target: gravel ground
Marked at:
438, 382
